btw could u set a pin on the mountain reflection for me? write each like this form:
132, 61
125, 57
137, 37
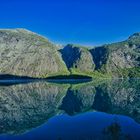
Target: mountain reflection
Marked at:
23, 107
26, 106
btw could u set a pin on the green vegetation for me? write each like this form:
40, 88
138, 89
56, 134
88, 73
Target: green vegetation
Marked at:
95, 74
24, 53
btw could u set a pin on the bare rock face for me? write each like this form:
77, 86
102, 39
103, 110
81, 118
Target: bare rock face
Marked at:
118, 56
78, 58
25, 53
126, 56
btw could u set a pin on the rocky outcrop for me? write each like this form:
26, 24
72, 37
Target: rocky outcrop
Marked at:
25, 53
118, 57
77, 58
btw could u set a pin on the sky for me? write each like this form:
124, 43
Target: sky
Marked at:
84, 22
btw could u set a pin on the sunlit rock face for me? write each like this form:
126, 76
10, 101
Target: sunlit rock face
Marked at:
77, 58
23, 52
119, 58
26, 106
23, 107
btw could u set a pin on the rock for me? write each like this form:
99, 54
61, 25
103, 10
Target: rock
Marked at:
78, 58
118, 57
25, 53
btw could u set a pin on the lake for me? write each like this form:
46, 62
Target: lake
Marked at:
96, 110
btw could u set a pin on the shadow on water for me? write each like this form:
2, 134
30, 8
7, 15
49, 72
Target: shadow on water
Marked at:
14, 77
69, 79
27, 106
7, 79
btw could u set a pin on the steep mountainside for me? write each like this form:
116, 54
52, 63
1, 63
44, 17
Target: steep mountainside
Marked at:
77, 58
24, 53
120, 59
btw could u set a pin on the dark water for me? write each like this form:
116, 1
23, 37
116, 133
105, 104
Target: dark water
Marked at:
98, 110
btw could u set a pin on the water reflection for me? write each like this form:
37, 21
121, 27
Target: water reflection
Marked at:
23, 107
27, 106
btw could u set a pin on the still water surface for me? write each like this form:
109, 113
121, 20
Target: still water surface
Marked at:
97, 110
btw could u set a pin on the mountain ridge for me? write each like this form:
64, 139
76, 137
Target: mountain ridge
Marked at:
26, 53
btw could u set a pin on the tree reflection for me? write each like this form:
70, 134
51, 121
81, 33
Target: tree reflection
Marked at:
114, 132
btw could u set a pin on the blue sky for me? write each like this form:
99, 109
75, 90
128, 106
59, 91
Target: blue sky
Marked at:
87, 22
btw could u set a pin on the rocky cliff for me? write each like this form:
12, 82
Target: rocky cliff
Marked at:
77, 58
24, 53
120, 59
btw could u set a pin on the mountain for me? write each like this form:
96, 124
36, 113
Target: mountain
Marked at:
24, 53
119, 59
77, 58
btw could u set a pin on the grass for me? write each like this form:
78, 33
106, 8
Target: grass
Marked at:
94, 74
71, 76
99, 74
